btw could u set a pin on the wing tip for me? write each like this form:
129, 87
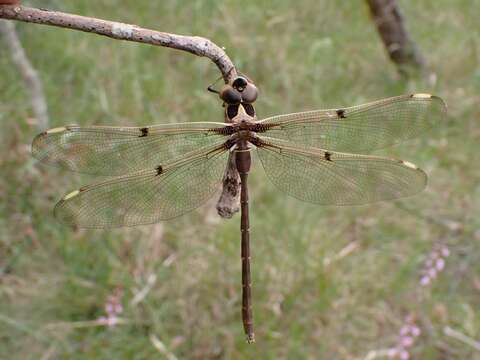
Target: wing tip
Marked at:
39, 142
62, 211
423, 174
412, 166
38, 146
427, 96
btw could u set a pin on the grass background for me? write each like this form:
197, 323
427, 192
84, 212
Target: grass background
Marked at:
310, 301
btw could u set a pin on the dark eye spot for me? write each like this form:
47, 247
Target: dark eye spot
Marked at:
249, 109
232, 111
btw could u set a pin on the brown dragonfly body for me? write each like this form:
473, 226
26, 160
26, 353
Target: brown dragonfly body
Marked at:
244, 124
163, 171
243, 161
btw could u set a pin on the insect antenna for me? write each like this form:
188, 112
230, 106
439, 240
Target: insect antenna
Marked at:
211, 86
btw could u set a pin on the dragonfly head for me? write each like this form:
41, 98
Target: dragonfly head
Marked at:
241, 90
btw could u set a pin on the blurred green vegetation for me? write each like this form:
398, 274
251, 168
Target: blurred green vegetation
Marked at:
311, 299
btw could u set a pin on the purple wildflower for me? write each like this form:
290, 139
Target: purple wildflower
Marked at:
113, 308
406, 339
434, 264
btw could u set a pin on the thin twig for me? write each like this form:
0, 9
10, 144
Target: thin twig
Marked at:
160, 346
448, 331
345, 251
229, 200
142, 294
29, 75
20, 327
85, 324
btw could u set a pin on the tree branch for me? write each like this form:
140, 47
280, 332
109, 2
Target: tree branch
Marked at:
398, 43
229, 200
193, 44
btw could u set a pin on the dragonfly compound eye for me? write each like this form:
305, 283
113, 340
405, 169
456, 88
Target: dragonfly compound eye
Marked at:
240, 83
230, 95
249, 95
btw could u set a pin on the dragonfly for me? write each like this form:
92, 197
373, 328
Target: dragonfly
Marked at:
163, 171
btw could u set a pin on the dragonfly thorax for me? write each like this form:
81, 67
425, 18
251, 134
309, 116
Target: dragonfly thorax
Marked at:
241, 139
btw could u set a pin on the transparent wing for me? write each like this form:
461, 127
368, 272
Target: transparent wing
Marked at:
112, 151
147, 196
362, 128
332, 178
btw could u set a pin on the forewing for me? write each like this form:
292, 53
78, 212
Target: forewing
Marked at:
362, 128
333, 178
112, 151
147, 196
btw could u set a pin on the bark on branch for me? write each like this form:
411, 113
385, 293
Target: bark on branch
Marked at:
391, 27
228, 203
193, 44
